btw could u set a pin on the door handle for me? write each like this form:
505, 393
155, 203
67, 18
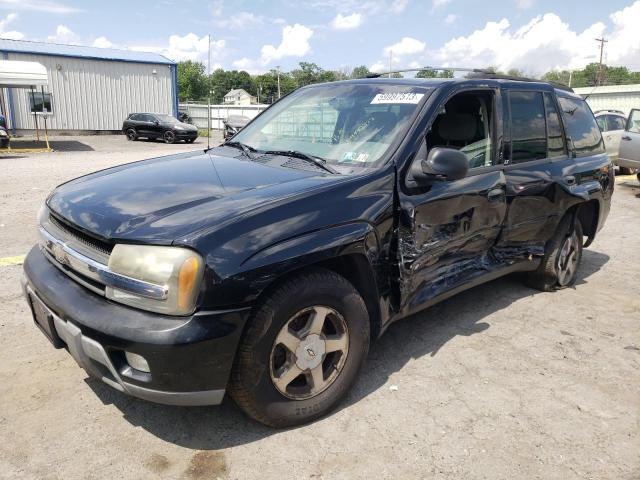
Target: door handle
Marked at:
570, 179
626, 137
495, 194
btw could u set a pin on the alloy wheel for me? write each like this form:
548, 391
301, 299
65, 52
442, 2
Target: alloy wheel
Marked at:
567, 262
309, 352
169, 137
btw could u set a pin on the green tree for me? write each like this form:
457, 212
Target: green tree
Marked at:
192, 81
360, 72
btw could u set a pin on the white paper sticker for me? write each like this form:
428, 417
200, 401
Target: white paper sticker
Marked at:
398, 97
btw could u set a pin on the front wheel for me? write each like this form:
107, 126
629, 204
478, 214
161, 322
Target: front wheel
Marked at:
131, 133
169, 137
563, 253
303, 348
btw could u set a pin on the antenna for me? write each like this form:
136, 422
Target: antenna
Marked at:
209, 95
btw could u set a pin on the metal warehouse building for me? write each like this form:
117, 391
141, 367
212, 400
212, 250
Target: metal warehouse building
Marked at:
89, 89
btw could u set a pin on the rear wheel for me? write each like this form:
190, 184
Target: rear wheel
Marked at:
563, 254
169, 137
302, 350
627, 171
131, 133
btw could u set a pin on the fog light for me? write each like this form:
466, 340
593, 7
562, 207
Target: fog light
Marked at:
137, 361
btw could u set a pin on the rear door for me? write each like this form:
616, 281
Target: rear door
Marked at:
537, 166
630, 141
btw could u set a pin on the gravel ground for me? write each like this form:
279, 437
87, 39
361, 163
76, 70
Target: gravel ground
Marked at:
499, 382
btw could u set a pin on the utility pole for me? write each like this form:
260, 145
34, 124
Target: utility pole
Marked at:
601, 66
390, 61
278, 70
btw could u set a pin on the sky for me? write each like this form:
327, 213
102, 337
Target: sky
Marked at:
531, 35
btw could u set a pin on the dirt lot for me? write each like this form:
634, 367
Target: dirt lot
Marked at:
500, 382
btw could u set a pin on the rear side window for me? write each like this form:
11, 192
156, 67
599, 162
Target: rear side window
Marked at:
135, 117
555, 140
528, 132
581, 126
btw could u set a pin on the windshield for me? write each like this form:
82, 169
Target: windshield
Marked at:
167, 119
348, 125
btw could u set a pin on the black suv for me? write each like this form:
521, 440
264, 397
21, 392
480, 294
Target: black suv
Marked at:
266, 266
158, 125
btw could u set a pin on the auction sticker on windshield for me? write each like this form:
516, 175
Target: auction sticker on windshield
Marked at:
398, 97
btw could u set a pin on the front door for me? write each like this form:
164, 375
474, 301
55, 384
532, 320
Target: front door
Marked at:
630, 142
447, 228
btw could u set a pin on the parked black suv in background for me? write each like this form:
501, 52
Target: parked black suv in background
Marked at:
267, 265
158, 125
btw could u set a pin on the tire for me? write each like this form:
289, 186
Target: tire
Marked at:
131, 134
190, 140
169, 137
562, 257
256, 369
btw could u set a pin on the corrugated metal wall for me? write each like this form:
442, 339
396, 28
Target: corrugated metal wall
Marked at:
618, 97
198, 113
95, 94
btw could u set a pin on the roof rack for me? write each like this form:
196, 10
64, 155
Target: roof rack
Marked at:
477, 73
452, 69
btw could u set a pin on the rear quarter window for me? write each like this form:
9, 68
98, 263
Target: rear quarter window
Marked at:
581, 126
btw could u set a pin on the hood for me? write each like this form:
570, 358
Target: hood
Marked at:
162, 199
186, 126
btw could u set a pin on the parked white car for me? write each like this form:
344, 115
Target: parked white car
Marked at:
612, 124
629, 153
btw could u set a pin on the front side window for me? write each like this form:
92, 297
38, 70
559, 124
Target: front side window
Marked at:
581, 126
350, 125
528, 132
602, 123
40, 102
633, 124
465, 123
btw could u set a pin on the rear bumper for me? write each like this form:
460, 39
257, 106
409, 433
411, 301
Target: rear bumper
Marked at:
189, 358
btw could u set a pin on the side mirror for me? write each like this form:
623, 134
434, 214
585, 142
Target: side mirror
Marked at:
440, 164
156, 122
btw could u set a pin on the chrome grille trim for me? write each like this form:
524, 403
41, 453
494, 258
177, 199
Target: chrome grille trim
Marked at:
94, 270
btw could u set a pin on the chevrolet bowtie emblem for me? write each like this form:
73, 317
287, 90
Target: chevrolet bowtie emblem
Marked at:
311, 352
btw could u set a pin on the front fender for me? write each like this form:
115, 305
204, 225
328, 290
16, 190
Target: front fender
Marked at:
262, 268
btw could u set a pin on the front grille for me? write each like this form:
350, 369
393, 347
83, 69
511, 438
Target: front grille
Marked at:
102, 247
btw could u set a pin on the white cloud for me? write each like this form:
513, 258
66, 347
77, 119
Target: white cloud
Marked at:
64, 35
38, 6
295, 43
241, 63
102, 42
4, 23
216, 8
398, 6
542, 44
524, 4
346, 22
378, 67
406, 46
439, 3
240, 20
451, 19
624, 43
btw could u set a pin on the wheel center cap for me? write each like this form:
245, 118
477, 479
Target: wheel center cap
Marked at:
310, 352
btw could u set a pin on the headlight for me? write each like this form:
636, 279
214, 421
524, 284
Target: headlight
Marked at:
178, 270
178, 127
3, 133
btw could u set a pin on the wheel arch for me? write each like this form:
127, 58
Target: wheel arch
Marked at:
587, 213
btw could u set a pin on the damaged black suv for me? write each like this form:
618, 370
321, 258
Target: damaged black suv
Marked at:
266, 266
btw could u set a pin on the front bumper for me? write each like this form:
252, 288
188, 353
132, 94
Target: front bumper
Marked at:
189, 358
186, 134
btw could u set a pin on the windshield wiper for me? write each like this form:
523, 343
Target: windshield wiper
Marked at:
318, 161
247, 149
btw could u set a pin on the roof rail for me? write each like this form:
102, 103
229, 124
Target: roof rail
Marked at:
477, 73
500, 76
452, 69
